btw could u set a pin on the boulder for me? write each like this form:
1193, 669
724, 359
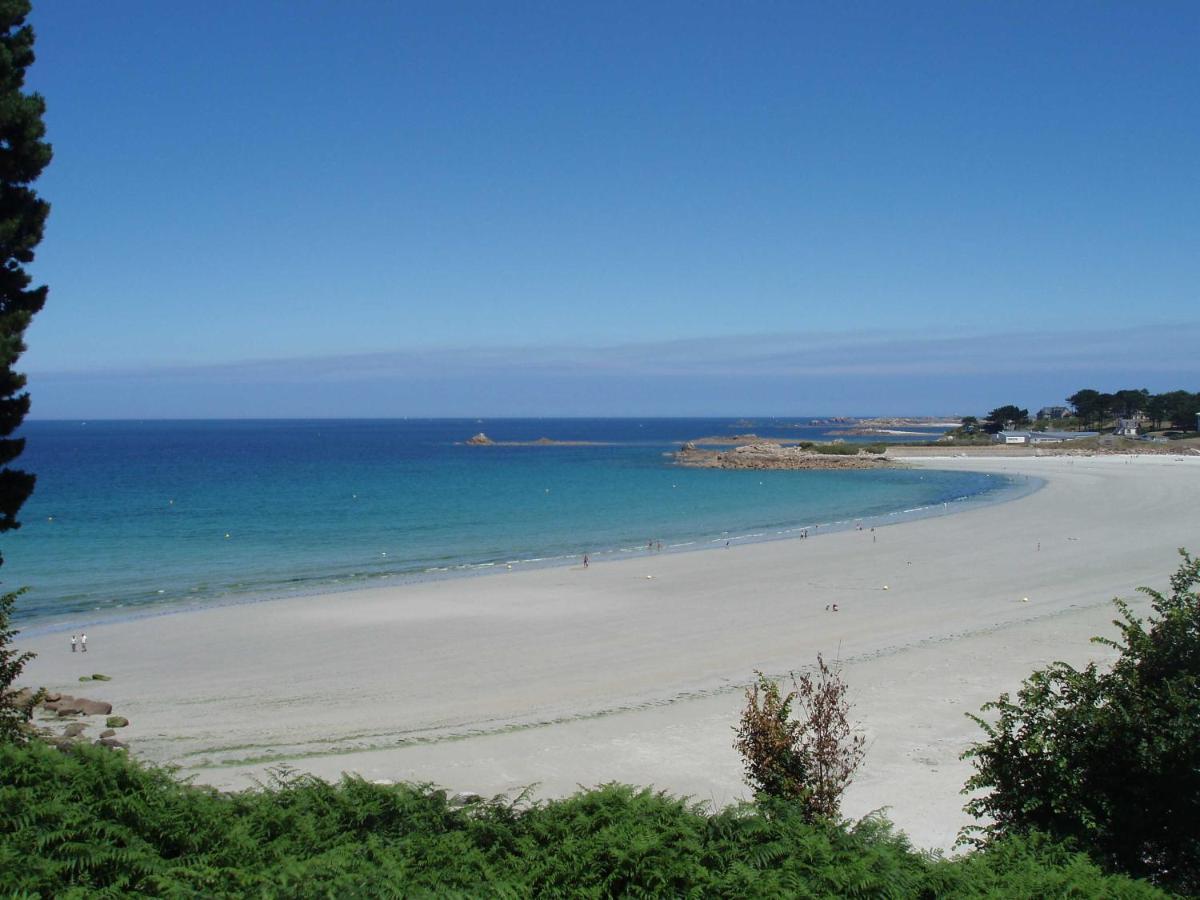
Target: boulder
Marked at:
85, 677
99, 677
465, 798
75, 729
79, 706
108, 732
480, 440
116, 722
24, 696
111, 743
54, 701
52, 697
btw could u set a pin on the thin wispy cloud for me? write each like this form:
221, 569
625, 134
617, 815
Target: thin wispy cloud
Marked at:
1164, 349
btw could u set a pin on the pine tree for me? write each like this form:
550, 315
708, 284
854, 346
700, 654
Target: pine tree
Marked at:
23, 156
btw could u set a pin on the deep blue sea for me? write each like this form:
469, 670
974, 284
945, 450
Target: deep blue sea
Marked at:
132, 518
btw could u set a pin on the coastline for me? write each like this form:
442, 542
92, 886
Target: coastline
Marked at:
633, 669
1012, 490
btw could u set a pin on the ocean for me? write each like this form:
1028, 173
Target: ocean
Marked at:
135, 518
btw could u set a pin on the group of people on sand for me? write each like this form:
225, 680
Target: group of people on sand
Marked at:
79, 643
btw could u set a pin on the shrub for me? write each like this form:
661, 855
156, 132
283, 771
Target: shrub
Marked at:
16, 707
1109, 761
809, 759
89, 822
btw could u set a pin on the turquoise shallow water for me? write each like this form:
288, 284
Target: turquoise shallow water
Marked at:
134, 518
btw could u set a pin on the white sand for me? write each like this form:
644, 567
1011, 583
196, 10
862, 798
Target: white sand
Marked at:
566, 676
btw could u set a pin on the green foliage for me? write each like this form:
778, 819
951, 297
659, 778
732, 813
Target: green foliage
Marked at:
1030, 865
845, 449
1176, 407
810, 759
89, 822
16, 707
1003, 417
1109, 760
23, 155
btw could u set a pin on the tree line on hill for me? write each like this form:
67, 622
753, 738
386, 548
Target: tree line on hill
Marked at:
1094, 409
1176, 408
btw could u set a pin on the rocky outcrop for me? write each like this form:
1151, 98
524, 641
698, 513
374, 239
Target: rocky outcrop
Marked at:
67, 705
770, 455
64, 706
482, 440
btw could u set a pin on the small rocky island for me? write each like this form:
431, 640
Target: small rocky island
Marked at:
482, 440
772, 455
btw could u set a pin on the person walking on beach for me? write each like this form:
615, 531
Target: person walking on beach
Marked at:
72, 643
585, 560
83, 642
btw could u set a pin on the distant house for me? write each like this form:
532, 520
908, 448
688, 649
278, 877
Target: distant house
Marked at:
1053, 412
1041, 437
1126, 427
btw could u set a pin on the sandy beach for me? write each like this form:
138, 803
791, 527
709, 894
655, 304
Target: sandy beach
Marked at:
633, 670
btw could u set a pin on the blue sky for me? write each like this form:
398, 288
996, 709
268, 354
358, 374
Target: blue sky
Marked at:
370, 208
